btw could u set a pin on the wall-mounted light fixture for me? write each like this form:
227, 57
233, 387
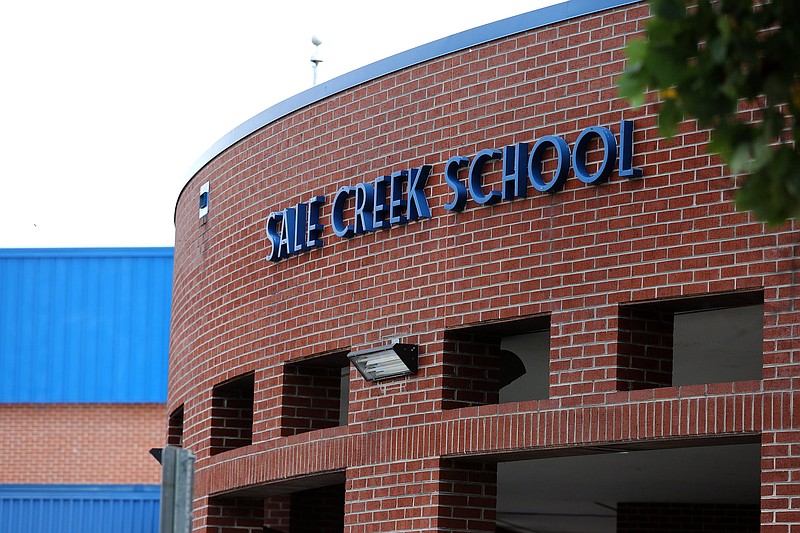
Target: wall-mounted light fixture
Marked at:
386, 362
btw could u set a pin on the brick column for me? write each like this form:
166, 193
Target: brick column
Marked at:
780, 439
426, 495
277, 514
467, 496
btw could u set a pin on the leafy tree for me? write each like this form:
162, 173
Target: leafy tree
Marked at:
712, 59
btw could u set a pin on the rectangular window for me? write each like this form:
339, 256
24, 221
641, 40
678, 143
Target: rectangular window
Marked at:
714, 338
175, 429
498, 362
232, 414
315, 393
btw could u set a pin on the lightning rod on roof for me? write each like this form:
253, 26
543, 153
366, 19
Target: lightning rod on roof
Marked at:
315, 60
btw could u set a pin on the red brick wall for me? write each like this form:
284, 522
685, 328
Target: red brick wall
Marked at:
471, 374
310, 398
80, 443
175, 427
578, 255
645, 348
232, 415
468, 494
234, 515
277, 513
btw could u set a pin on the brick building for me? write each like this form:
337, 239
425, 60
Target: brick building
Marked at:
84, 335
593, 338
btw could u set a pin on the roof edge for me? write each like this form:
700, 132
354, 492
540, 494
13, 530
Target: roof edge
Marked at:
17, 253
447, 45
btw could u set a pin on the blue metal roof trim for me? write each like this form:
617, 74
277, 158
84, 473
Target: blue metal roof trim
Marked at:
79, 491
74, 508
87, 252
441, 47
84, 325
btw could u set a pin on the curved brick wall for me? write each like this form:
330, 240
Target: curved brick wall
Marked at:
577, 255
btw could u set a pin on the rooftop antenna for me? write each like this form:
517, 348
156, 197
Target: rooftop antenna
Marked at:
315, 60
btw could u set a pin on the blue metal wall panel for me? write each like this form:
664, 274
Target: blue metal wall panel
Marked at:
84, 325
79, 508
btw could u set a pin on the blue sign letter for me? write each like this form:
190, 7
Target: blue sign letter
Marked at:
609, 155
417, 202
301, 219
364, 204
626, 168
381, 208
474, 178
397, 205
535, 164
451, 177
286, 247
337, 217
274, 235
515, 167
314, 229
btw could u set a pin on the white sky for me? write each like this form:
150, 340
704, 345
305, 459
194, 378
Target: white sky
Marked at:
105, 105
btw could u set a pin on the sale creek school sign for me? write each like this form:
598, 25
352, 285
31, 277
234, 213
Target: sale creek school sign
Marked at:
399, 197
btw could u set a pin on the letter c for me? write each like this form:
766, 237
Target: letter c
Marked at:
337, 216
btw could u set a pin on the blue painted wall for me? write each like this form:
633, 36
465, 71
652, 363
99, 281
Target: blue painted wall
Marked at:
79, 508
84, 325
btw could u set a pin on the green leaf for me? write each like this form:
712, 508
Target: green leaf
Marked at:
636, 51
718, 49
665, 69
762, 155
740, 158
629, 86
773, 193
669, 9
711, 62
725, 30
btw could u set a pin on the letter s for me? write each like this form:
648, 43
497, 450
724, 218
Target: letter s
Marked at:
274, 235
454, 164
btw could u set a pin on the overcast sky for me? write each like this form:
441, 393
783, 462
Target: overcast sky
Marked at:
106, 105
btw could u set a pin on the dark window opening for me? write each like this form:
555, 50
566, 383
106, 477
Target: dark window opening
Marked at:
175, 428
315, 393
232, 414
320, 510
708, 488
689, 341
298, 506
497, 363
533, 351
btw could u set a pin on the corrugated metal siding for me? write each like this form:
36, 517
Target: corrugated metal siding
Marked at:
79, 508
84, 325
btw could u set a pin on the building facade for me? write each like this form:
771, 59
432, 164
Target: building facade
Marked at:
84, 335
592, 337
